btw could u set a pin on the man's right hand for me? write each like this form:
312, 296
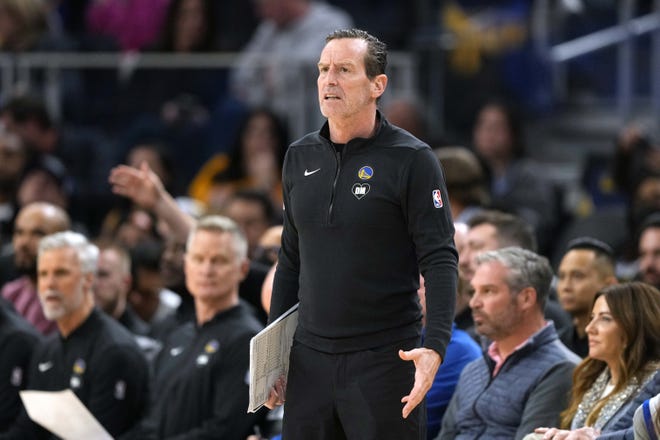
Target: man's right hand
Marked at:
141, 185
277, 394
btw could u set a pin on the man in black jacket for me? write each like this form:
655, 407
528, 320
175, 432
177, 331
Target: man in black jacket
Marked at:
113, 283
365, 212
201, 374
92, 354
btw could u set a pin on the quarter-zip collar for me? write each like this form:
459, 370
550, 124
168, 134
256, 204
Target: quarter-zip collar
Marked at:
84, 328
220, 316
356, 143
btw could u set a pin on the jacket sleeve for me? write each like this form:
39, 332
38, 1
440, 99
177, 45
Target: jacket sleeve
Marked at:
426, 206
547, 400
624, 434
23, 427
623, 419
285, 285
14, 367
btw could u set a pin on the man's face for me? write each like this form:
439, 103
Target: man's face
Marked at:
343, 86
171, 263
143, 296
40, 186
479, 239
649, 256
494, 307
61, 283
213, 271
190, 26
12, 160
35, 137
491, 134
250, 218
578, 281
112, 282
31, 225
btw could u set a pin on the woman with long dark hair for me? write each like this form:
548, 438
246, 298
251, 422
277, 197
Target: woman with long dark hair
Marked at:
623, 362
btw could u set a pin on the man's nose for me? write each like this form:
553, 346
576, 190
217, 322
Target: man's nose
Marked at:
47, 280
332, 76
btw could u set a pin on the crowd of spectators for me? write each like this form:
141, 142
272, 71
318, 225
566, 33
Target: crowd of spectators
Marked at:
135, 160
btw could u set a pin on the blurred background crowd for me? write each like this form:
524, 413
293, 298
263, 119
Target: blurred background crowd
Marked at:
211, 93
549, 110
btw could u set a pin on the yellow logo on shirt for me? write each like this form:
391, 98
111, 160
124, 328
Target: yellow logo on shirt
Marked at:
212, 346
365, 173
79, 366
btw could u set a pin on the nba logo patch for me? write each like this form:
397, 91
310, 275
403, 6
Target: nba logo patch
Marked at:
437, 198
16, 376
120, 390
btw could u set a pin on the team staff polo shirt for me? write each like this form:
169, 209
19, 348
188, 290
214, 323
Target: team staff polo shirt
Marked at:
100, 362
202, 379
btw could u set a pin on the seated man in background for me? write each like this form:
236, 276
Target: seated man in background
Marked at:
489, 230
91, 354
649, 250
32, 223
201, 374
113, 283
586, 267
524, 379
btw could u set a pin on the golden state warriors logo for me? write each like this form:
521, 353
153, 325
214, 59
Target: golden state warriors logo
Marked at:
211, 346
79, 366
365, 173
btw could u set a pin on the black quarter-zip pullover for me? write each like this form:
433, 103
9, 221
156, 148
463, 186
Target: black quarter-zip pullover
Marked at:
358, 228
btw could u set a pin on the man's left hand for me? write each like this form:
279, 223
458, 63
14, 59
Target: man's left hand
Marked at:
427, 362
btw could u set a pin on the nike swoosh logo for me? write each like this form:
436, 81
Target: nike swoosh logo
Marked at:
45, 366
309, 173
176, 351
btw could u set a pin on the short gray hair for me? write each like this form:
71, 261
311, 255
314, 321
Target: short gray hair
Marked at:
219, 223
88, 253
526, 269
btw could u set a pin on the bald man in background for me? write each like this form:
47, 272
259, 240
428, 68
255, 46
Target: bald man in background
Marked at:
33, 222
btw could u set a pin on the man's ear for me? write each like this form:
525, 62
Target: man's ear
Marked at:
378, 85
527, 297
611, 280
88, 281
245, 268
